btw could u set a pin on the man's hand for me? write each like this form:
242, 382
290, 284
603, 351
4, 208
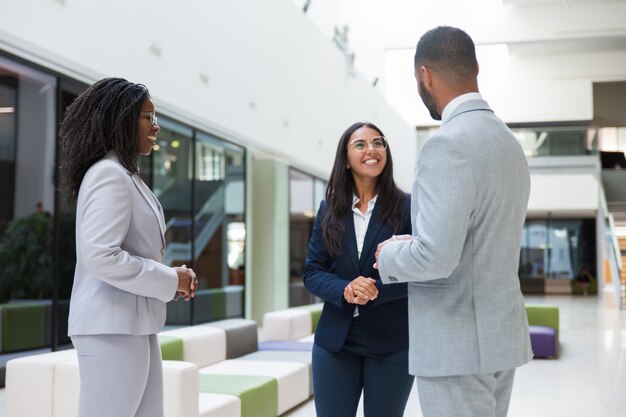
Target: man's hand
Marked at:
381, 245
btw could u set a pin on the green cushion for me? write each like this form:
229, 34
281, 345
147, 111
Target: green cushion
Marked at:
543, 315
171, 348
316, 313
23, 326
258, 394
315, 318
209, 305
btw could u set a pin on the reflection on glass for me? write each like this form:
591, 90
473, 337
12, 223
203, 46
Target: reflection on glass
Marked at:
535, 251
306, 192
219, 212
8, 138
556, 249
172, 185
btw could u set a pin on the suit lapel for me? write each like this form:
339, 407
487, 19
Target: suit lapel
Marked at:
146, 194
373, 228
151, 200
350, 242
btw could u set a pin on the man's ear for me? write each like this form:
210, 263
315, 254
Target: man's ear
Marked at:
425, 75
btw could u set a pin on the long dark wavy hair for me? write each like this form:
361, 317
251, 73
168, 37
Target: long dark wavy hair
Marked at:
340, 190
102, 119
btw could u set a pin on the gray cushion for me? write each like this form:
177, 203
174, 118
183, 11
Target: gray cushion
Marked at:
241, 336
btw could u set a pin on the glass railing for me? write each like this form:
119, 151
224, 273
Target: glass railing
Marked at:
613, 252
557, 141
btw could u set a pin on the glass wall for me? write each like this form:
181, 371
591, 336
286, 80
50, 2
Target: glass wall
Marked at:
199, 179
555, 253
306, 193
27, 207
37, 249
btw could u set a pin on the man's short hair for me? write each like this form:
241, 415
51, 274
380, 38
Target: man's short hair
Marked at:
447, 49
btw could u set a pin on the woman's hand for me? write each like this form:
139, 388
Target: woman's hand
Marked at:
187, 282
360, 290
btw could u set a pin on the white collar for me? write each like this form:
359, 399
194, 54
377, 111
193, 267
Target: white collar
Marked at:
456, 102
370, 204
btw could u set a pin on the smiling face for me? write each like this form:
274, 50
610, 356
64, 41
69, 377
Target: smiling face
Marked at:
370, 162
147, 129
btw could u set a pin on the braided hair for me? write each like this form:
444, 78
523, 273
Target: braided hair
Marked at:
102, 119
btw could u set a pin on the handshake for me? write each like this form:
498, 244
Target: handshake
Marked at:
187, 283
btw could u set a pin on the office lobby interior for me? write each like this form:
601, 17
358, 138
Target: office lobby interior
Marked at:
252, 98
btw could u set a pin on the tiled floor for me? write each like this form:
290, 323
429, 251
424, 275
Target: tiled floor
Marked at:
588, 380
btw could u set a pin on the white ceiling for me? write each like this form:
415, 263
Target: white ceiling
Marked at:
566, 3
383, 34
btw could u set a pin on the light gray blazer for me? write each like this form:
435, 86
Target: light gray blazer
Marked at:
120, 284
469, 200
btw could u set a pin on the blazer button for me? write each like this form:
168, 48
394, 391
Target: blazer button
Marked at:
163, 251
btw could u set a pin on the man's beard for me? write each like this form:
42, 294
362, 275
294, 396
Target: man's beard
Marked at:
427, 98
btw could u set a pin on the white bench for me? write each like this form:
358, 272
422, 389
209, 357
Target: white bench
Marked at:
47, 385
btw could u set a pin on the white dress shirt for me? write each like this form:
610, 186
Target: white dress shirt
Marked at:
456, 102
361, 221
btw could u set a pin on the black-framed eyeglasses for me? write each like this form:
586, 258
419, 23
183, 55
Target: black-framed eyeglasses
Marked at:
361, 145
150, 115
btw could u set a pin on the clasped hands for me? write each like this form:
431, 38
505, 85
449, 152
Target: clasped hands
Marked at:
360, 291
187, 282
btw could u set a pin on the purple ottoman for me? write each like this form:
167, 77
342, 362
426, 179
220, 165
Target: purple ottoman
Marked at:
543, 341
286, 345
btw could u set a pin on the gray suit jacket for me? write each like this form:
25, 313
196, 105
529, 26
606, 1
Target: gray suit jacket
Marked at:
469, 200
120, 284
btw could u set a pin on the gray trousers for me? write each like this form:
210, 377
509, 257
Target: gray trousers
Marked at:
120, 376
484, 395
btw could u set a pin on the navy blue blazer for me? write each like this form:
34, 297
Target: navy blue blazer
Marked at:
384, 321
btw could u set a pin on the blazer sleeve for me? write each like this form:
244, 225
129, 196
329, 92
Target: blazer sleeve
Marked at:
387, 293
445, 197
317, 278
103, 222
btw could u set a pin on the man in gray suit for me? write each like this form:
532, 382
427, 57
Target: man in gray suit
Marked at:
467, 320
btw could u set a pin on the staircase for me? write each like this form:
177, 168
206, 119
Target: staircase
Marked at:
209, 218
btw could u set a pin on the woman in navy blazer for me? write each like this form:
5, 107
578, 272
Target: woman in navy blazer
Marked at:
361, 340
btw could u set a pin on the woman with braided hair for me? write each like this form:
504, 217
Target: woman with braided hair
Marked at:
120, 284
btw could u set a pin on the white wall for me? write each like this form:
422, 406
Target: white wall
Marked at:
566, 186
258, 73
538, 60
520, 88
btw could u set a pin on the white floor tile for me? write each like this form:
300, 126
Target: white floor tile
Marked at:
587, 380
